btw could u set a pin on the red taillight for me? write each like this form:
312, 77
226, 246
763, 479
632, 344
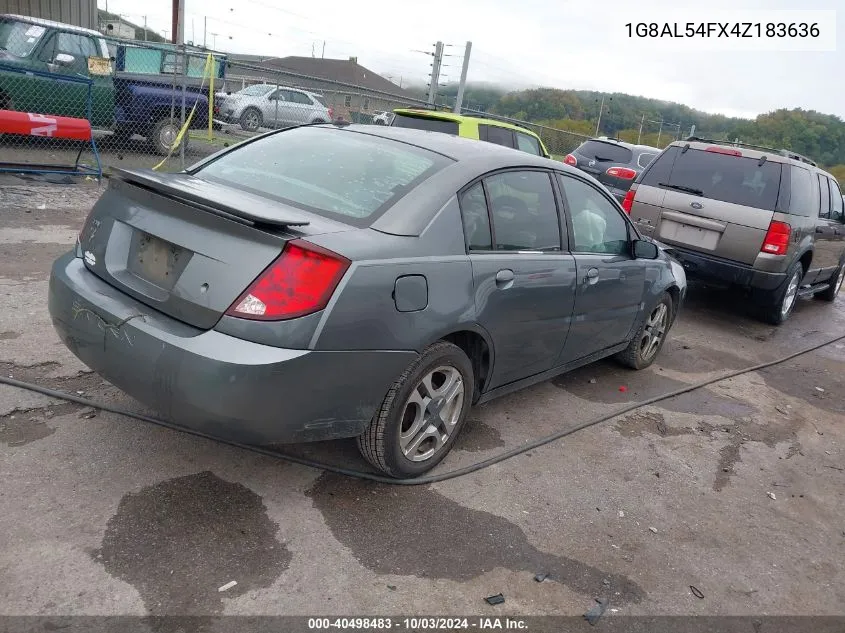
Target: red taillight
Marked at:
569, 159
724, 150
777, 238
628, 202
622, 172
299, 282
331, 113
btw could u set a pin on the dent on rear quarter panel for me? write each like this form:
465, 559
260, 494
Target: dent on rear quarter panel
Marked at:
364, 314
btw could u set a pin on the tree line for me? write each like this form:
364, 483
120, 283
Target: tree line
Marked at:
818, 136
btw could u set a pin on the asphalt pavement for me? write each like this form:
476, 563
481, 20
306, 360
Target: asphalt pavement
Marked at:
737, 489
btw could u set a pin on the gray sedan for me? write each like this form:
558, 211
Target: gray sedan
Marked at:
357, 281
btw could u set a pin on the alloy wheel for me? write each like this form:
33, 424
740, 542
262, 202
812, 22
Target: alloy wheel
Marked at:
431, 413
655, 329
791, 295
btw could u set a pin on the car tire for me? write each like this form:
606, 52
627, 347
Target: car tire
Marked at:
782, 301
836, 281
251, 120
648, 341
164, 134
409, 435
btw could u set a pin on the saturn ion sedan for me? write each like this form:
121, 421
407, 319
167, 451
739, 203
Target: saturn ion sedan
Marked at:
338, 281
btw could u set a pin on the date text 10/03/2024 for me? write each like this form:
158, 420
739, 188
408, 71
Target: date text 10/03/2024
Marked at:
722, 29
418, 623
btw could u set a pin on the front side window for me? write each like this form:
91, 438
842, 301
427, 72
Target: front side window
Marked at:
525, 217
836, 203
597, 226
345, 175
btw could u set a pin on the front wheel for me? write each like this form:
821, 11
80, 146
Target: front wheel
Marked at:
251, 120
422, 413
649, 339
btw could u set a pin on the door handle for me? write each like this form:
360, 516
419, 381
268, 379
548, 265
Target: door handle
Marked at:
592, 276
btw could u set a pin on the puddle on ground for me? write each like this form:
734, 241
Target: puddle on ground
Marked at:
415, 531
180, 540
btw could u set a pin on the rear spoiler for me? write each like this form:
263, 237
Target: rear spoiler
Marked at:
221, 200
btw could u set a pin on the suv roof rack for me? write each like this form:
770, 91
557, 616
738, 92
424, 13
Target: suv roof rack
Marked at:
782, 152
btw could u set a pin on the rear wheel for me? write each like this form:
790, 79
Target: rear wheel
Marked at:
782, 301
251, 119
645, 346
164, 134
835, 285
422, 413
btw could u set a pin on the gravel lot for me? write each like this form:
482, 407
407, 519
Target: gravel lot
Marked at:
107, 515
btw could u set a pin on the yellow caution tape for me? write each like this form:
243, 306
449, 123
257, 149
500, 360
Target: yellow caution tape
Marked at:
209, 67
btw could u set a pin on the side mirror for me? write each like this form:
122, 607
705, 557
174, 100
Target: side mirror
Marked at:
63, 59
645, 250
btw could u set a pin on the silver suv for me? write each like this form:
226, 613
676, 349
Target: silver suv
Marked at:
268, 105
770, 221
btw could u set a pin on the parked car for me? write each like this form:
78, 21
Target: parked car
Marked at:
471, 126
382, 118
769, 221
613, 163
363, 282
268, 105
124, 104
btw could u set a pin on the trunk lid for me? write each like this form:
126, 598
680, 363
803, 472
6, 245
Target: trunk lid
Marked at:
187, 247
595, 157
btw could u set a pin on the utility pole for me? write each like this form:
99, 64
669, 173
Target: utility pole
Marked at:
174, 25
640, 135
659, 130
324, 50
435, 73
181, 22
214, 41
601, 111
462, 85
204, 30
145, 28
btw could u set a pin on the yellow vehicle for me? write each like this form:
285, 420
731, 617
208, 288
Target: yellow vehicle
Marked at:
471, 126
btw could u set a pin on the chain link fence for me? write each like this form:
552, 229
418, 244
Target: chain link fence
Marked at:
140, 98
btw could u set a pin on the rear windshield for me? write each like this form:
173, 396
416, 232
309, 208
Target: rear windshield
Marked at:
606, 152
342, 174
733, 179
425, 123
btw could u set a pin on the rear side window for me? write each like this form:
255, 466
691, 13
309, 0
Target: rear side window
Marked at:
644, 159
824, 198
527, 143
732, 179
345, 175
425, 123
496, 134
524, 211
803, 199
475, 218
605, 152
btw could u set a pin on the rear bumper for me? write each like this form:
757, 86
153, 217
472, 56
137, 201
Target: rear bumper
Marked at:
709, 268
212, 382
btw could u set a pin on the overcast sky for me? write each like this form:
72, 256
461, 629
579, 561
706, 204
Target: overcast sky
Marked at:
565, 44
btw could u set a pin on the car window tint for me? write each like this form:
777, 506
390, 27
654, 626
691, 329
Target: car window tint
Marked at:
497, 135
824, 197
605, 152
644, 159
597, 226
836, 203
659, 169
343, 174
528, 144
802, 198
728, 178
476, 219
524, 212
425, 123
